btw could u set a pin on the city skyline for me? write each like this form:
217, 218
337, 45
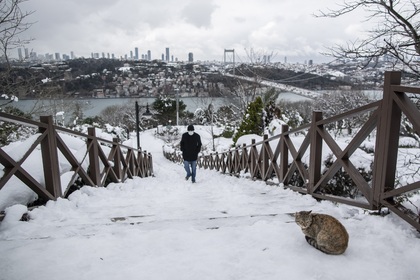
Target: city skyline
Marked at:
32, 55
204, 27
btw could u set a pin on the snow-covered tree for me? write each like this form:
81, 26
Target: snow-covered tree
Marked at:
165, 108
252, 122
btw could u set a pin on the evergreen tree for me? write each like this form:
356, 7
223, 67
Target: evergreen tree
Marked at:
166, 109
252, 123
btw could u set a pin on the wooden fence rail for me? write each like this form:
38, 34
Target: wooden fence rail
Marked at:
104, 161
279, 157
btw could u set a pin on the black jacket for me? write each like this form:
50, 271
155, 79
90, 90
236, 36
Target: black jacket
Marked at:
190, 146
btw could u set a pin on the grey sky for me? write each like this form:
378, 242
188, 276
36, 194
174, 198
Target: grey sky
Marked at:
204, 27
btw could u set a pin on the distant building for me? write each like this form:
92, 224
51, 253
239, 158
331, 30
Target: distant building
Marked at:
136, 53
163, 57
49, 57
190, 57
167, 54
149, 55
57, 56
20, 54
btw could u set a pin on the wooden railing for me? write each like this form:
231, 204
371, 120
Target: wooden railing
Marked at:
280, 158
104, 161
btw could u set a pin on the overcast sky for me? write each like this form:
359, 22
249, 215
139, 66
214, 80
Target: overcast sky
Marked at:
284, 28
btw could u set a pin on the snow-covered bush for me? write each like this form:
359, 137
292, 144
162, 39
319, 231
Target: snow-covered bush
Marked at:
12, 132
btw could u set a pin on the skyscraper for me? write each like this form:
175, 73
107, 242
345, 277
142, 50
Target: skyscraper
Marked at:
20, 54
190, 57
167, 54
149, 55
136, 53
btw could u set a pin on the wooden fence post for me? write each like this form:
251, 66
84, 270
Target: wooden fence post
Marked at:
284, 154
92, 145
132, 162
117, 159
387, 137
315, 158
50, 158
265, 158
253, 160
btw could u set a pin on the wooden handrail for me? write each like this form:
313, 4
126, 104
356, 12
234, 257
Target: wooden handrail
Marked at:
97, 167
263, 163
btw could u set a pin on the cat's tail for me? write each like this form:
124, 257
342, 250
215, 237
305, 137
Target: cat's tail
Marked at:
312, 242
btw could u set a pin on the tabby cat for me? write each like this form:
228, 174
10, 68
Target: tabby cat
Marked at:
324, 232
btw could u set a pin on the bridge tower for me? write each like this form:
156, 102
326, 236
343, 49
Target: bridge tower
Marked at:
233, 58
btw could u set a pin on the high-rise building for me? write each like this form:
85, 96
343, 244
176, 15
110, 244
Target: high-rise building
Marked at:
72, 55
136, 53
167, 54
20, 54
57, 56
190, 57
163, 57
149, 55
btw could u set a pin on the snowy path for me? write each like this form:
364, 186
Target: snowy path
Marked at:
220, 228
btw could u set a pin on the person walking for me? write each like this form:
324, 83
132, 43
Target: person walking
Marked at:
190, 147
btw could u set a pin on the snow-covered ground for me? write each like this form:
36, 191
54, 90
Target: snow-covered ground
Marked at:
222, 227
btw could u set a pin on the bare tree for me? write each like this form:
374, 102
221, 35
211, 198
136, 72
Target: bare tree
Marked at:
332, 104
259, 57
396, 34
12, 25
